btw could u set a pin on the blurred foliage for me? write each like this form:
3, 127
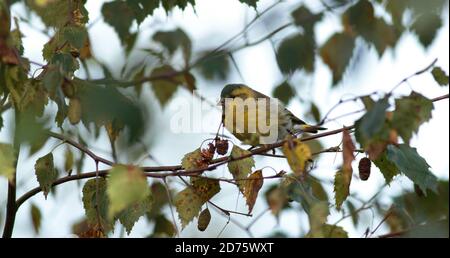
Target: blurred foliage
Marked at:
112, 103
417, 215
36, 218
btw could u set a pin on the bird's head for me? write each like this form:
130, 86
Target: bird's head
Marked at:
236, 90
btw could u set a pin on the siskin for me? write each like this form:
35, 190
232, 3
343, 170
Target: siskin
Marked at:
244, 109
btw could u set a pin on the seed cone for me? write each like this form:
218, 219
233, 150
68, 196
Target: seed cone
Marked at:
364, 168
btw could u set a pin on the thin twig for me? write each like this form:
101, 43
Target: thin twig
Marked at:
413, 75
80, 147
381, 223
169, 197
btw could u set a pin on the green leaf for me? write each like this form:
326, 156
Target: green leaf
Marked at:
107, 105
317, 189
342, 181
204, 219
66, 62
142, 8
410, 113
34, 98
120, 16
182, 4
163, 227
299, 191
387, 168
353, 213
96, 203
7, 161
440, 76
127, 185
130, 11
336, 53
426, 27
193, 160
397, 8
317, 218
315, 146
55, 13
372, 123
240, 169
314, 111
50, 47
251, 3
62, 108
296, 53
46, 173
16, 38
76, 36
36, 218
131, 215
304, 18
383, 36
68, 160
410, 210
165, 88
205, 188
188, 205
53, 79
215, 65
413, 166
29, 130
332, 231
284, 92
276, 199
174, 39
359, 18
420, 7
160, 199
74, 111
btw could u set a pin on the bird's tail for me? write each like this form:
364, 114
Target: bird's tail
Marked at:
311, 128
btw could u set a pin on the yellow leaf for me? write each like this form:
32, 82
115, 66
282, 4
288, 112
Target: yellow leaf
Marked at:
297, 155
317, 218
68, 163
342, 181
126, 186
7, 160
253, 184
329, 231
240, 168
74, 112
188, 205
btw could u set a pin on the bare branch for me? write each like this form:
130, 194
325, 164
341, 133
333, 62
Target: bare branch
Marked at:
80, 147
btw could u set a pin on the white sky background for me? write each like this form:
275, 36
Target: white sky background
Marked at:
212, 23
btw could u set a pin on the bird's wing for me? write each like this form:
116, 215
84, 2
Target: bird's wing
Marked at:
258, 94
295, 120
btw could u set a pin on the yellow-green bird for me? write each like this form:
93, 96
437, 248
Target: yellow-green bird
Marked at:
242, 103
